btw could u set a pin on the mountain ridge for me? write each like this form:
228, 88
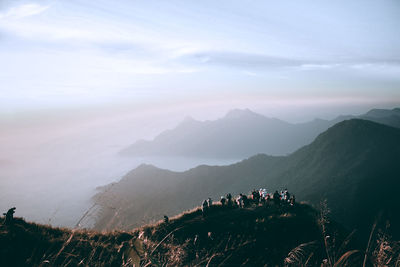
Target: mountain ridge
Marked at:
243, 133
354, 162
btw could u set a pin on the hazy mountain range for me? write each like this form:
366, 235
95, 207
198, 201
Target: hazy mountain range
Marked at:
243, 133
355, 165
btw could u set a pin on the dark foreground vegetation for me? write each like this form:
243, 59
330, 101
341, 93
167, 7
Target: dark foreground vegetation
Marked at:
30, 244
275, 235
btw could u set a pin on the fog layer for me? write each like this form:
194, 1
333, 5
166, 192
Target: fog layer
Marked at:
52, 161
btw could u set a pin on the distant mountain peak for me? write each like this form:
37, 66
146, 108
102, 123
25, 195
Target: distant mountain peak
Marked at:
240, 113
145, 167
188, 119
242, 133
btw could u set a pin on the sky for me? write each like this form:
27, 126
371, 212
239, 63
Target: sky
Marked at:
83, 54
81, 80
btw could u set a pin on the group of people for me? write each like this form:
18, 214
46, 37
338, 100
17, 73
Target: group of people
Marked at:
262, 196
284, 197
257, 197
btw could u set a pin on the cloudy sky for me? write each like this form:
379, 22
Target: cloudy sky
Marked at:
78, 53
80, 80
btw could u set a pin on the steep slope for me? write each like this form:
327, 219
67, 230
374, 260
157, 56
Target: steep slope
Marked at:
239, 237
354, 165
30, 244
128, 204
225, 236
384, 116
243, 133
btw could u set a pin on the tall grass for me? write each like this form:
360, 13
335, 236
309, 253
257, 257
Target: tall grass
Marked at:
380, 250
227, 237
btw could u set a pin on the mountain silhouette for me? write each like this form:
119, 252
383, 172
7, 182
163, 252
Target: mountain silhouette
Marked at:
243, 133
354, 165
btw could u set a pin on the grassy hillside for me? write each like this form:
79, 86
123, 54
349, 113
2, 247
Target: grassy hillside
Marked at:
226, 236
30, 244
235, 237
354, 165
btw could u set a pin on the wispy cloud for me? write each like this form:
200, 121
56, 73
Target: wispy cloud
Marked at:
24, 10
254, 64
240, 60
323, 66
48, 46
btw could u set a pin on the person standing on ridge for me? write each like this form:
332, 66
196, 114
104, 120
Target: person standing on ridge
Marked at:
277, 198
9, 216
223, 200
209, 202
229, 199
204, 207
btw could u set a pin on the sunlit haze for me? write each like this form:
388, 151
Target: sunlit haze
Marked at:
81, 80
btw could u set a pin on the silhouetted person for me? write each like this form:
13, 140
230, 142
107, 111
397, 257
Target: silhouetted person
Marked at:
245, 201
9, 216
223, 201
287, 196
239, 200
204, 207
229, 199
209, 202
277, 198
292, 200
166, 219
256, 196
268, 199
262, 201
